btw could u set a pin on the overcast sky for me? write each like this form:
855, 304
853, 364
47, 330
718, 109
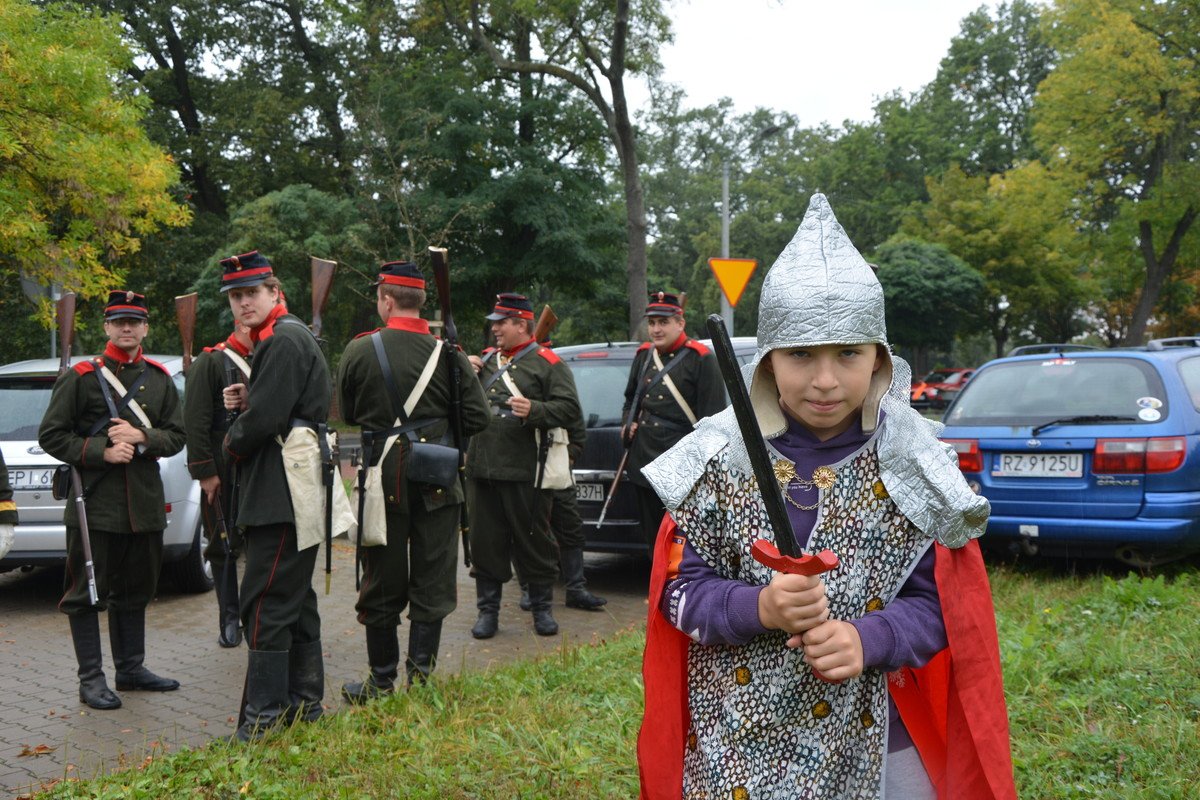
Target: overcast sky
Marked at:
822, 60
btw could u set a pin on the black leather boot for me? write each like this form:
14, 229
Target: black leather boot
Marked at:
524, 603
487, 592
266, 694
93, 689
578, 595
541, 598
229, 621
127, 634
383, 656
305, 681
423, 641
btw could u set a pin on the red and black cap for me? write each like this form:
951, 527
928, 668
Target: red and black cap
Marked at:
123, 304
510, 305
663, 304
248, 269
400, 273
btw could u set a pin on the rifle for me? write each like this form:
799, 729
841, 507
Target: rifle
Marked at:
441, 277
635, 409
66, 333
546, 322
185, 315
322, 283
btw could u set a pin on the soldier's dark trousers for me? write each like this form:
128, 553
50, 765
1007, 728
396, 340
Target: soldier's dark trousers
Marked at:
126, 567
650, 512
285, 673
510, 523
417, 568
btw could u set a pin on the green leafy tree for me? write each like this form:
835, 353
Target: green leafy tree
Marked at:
590, 46
80, 183
930, 296
1120, 117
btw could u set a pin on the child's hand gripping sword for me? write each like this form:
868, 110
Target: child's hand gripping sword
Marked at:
782, 557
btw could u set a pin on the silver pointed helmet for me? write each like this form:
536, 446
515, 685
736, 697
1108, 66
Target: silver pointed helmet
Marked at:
819, 291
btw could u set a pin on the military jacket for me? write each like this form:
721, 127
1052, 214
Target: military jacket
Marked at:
507, 450
364, 399
661, 420
120, 497
204, 416
8, 507
290, 382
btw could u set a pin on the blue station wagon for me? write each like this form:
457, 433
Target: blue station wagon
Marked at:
1086, 452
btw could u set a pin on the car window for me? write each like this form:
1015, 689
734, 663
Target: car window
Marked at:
601, 387
23, 403
1189, 370
955, 378
1032, 392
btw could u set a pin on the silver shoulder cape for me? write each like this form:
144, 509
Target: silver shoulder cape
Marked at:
920, 472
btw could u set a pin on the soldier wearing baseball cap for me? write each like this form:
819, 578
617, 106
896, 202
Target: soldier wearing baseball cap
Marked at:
125, 507
673, 383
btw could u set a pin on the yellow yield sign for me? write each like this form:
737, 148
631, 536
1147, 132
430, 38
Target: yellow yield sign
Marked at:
733, 274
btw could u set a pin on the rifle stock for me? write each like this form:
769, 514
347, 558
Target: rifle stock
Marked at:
545, 324
65, 312
185, 316
441, 278
322, 284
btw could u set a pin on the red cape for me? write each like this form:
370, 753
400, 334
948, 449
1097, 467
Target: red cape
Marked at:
966, 755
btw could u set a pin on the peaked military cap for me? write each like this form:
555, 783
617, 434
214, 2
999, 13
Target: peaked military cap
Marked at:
123, 304
248, 269
509, 304
663, 304
400, 273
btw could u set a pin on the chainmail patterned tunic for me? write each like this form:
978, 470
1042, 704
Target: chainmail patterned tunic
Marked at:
761, 725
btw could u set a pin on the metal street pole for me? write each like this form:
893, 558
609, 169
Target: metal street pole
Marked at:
726, 309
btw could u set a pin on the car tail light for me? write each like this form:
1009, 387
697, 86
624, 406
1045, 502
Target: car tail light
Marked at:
969, 457
167, 508
1127, 456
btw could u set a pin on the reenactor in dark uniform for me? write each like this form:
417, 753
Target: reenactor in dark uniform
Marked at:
674, 381
417, 567
510, 518
8, 510
117, 458
567, 528
290, 389
206, 421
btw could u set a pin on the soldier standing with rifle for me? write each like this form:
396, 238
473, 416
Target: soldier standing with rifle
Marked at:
206, 420
674, 381
287, 399
530, 391
396, 383
111, 418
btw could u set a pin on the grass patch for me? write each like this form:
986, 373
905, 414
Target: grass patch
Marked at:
1100, 670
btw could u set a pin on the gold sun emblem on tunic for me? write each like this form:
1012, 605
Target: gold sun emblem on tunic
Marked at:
875, 604
867, 720
785, 471
740, 793
692, 742
741, 676
822, 709
881, 492
824, 478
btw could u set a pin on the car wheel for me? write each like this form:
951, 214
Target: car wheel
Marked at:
193, 573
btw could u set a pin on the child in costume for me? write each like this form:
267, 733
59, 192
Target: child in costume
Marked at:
878, 679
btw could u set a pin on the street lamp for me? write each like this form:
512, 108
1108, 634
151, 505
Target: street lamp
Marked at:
726, 308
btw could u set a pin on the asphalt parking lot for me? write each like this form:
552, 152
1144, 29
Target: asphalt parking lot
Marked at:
48, 735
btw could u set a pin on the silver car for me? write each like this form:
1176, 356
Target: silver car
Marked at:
40, 538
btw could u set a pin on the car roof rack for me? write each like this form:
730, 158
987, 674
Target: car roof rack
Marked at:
1031, 349
1174, 341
